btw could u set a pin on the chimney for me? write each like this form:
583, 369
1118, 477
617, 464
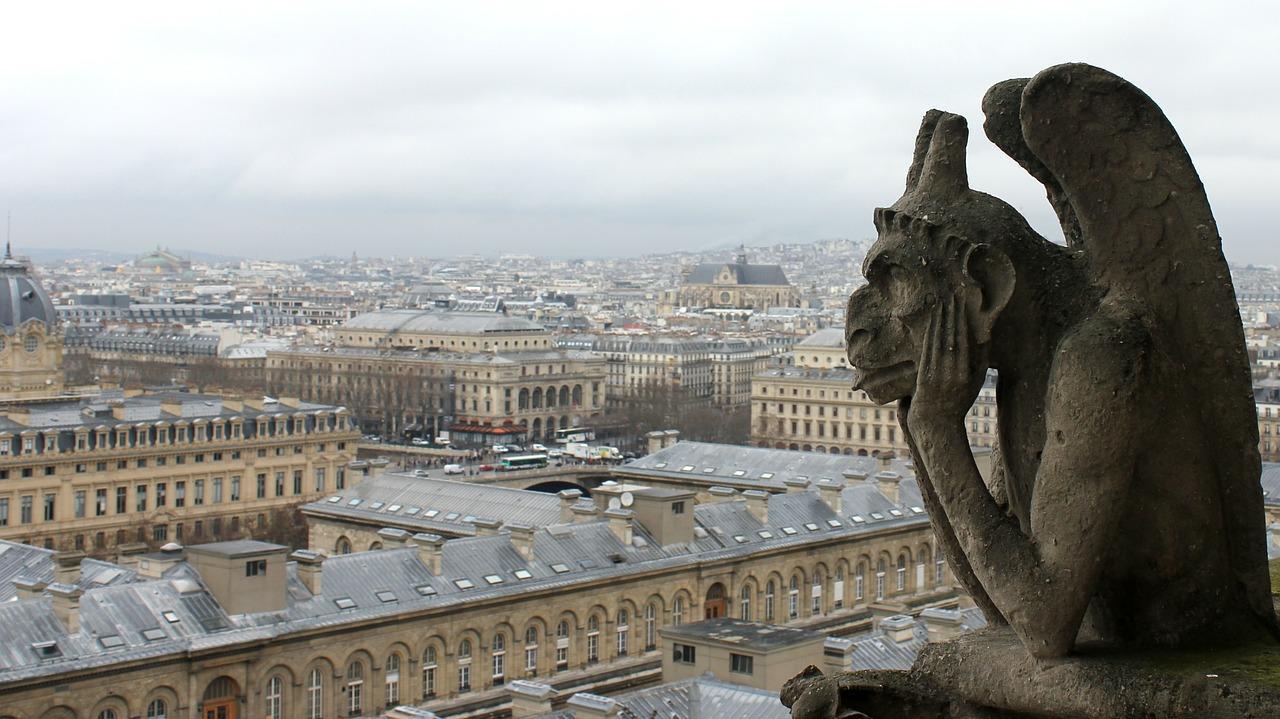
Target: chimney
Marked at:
19, 415
28, 587
309, 566
522, 539
233, 403
854, 476
831, 494
592, 706
884, 461
127, 554
568, 498
393, 538
943, 624
620, 524
66, 605
67, 567
529, 699
887, 482
654, 440
796, 485
758, 504
837, 654
377, 466
584, 513
486, 527
430, 549
722, 494
171, 406
899, 628
117, 409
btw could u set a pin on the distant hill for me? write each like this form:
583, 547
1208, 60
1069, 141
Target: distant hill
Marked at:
112, 257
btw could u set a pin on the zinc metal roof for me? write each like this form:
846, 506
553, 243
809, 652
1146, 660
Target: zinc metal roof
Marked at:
441, 322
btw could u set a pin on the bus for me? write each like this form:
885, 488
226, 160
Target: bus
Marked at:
574, 434
524, 461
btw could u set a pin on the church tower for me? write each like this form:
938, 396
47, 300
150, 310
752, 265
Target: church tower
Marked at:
30, 343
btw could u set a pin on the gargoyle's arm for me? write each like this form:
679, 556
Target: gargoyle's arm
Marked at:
1095, 414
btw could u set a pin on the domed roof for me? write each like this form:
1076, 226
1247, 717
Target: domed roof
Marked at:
21, 296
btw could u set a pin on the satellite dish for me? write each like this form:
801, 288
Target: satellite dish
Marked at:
627, 499
614, 503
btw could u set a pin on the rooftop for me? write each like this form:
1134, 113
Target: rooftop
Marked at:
441, 322
749, 635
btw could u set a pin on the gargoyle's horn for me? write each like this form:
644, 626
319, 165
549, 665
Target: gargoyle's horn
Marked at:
923, 138
945, 173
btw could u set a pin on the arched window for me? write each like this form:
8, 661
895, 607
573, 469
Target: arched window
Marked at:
837, 591
464, 666
793, 598
392, 676
105, 713
593, 639
815, 595
315, 694
901, 580
274, 698
562, 646
939, 567
343, 546
157, 709
744, 603
429, 673
860, 582
650, 627
677, 611
531, 650
623, 631
880, 579
499, 659
355, 688
768, 601
31, 344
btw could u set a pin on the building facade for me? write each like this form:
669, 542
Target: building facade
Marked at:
447, 625
93, 474
811, 405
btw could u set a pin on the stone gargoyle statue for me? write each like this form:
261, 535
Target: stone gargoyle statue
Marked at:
1124, 507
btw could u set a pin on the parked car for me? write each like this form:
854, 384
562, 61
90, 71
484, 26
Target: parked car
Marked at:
486, 468
555, 453
514, 448
538, 448
421, 473
420, 442
501, 449
453, 469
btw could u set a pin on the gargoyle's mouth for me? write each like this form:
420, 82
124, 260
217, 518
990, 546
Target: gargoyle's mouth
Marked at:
868, 378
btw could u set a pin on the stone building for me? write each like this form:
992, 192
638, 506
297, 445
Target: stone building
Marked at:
95, 473
811, 405
30, 341
753, 654
1266, 397
446, 625
735, 285
485, 378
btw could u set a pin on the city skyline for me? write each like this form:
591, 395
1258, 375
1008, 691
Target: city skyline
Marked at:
587, 133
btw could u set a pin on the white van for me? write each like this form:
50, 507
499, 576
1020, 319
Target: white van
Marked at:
453, 469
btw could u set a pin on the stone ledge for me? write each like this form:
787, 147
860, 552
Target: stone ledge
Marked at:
988, 674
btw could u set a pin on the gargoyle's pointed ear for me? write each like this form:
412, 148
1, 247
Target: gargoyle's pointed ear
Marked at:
945, 172
923, 138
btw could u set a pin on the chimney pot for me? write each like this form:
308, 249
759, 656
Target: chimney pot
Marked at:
832, 495
430, 550
568, 498
620, 524
887, 482
393, 536
67, 567
66, 605
310, 566
486, 527
522, 539
796, 485
758, 504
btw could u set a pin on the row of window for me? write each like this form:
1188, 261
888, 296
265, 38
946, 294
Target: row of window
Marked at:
163, 461
155, 496
164, 434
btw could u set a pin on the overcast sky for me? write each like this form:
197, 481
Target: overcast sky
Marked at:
570, 129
